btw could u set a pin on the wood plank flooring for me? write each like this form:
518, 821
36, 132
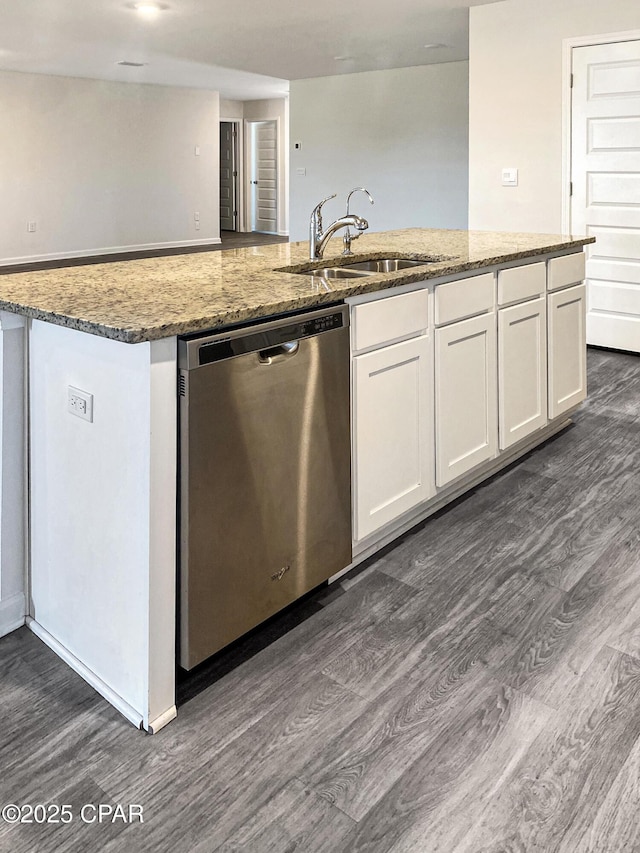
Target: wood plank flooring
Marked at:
473, 689
229, 240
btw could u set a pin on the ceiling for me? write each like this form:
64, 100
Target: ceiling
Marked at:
245, 49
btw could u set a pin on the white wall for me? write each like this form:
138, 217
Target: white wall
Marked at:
400, 133
103, 166
515, 104
231, 110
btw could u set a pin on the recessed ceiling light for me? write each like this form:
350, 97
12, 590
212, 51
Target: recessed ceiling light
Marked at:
434, 45
147, 8
131, 64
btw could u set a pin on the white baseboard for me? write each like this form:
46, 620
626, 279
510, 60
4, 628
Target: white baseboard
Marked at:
12, 613
109, 250
91, 678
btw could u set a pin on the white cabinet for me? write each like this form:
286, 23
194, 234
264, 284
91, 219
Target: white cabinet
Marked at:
465, 385
392, 409
392, 432
567, 365
522, 370
449, 376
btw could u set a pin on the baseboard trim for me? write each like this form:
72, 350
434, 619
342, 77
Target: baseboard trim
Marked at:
12, 613
134, 717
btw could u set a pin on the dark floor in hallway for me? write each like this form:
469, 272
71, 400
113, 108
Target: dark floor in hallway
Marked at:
239, 240
228, 240
475, 688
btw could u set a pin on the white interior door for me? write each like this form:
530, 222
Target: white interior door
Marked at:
264, 176
605, 173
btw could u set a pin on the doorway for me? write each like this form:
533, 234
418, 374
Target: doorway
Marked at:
263, 172
605, 183
228, 176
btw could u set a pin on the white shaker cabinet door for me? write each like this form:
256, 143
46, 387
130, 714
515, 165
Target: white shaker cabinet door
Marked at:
466, 396
393, 433
522, 370
566, 313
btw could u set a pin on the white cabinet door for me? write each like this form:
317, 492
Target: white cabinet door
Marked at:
393, 433
522, 370
566, 311
466, 391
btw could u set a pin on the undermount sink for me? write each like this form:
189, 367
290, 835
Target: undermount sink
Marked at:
386, 264
335, 272
360, 268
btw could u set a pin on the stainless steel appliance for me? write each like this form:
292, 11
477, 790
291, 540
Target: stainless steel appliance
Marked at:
265, 494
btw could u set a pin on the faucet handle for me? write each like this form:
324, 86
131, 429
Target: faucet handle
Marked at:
317, 210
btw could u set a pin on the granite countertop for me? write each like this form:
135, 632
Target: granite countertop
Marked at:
143, 300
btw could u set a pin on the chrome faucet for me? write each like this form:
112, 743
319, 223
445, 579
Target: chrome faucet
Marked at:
318, 238
348, 236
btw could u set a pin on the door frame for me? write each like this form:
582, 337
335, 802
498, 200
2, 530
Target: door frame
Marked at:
280, 183
567, 67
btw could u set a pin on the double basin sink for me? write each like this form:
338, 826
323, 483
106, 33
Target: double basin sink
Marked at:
362, 268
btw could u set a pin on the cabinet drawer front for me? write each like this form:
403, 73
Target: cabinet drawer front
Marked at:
460, 299
391, 319
519, 283
569, 269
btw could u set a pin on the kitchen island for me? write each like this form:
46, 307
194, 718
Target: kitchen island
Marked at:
102, 541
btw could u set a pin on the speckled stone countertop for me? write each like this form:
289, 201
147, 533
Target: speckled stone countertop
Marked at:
143, 300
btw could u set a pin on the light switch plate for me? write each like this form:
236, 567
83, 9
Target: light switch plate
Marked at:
510, 177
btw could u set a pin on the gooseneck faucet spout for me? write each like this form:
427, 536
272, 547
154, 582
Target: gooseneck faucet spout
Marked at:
318, 238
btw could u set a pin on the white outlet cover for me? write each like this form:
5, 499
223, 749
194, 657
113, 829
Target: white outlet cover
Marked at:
80, 403
510, 177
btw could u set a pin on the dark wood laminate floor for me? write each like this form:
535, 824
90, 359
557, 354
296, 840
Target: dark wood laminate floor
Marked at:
474, 689
228, 240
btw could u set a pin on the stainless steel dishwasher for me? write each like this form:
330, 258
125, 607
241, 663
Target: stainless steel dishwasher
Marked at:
265, 494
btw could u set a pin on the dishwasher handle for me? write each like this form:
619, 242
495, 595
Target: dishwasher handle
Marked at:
279, 353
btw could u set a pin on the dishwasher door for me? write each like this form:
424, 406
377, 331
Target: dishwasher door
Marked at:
265, 473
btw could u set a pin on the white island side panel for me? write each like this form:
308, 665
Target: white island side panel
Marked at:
103, 513
12, 473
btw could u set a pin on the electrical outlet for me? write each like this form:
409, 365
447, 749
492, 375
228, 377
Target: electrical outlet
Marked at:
80, 403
